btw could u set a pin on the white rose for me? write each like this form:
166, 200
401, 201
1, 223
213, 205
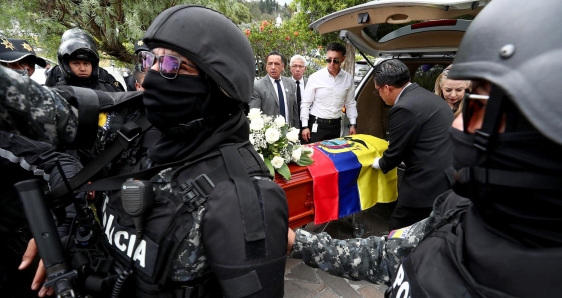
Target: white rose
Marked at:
309, 152
256, 124
252, 141
272, 135
254, 113
279, 121
277, 162
296, 155
293, 135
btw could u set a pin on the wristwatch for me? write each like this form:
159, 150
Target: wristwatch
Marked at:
354, 125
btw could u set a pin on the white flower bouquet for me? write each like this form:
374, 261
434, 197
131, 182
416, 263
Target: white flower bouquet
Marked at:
277, 143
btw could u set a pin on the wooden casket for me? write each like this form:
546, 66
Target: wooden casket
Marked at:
299, 195
343, 179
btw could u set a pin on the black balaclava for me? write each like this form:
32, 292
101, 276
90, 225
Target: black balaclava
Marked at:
526, 210
194, 115
170, 103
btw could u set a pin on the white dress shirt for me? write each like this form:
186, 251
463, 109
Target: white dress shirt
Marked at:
284, 96
326, 95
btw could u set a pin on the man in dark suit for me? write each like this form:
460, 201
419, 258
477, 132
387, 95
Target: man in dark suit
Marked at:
275, 94
298, 68
419, 124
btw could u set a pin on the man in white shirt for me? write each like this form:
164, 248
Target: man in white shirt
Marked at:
327, 92
275, 94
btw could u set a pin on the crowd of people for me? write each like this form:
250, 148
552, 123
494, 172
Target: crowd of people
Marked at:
477, 208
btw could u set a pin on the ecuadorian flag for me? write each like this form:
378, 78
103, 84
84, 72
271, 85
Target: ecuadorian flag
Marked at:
343, 180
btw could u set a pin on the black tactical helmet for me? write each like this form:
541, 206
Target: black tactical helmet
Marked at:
212, 41
77, 48
77, 33
522, 58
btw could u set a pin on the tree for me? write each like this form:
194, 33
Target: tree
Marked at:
291, 38
114, 24
311, 10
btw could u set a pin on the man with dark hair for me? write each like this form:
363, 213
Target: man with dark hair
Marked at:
418, 124
327, 92
275, 94
505, 239
77, 43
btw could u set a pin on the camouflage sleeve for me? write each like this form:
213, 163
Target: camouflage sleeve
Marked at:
375, 259
35, 111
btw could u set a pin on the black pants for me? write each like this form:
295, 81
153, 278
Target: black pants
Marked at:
327, 129
403, 216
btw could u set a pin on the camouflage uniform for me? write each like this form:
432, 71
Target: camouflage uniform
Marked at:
375, 259
34, 111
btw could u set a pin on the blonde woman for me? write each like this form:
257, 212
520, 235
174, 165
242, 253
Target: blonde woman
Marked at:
452, 91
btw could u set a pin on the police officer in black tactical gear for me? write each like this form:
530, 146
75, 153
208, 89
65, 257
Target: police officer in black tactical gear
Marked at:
498, 234
77, 45
211, 189
134, 82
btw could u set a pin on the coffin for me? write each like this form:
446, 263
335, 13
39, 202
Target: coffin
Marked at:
299, 195
339, 183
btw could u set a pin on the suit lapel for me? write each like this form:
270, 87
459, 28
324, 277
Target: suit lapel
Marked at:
271, 89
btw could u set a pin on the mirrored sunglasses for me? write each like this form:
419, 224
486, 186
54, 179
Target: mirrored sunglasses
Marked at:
168, 65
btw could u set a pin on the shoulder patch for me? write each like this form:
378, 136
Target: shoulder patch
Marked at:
400, 233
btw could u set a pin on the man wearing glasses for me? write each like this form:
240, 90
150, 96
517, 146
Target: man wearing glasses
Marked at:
275, 94
418, 125
327, 92
298, 68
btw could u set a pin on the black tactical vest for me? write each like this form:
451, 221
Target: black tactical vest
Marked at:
218, 218
434, 268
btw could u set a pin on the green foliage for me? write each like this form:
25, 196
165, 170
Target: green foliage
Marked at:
114, 24
291, 38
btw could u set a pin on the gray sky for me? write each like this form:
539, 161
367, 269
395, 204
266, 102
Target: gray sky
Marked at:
282, 2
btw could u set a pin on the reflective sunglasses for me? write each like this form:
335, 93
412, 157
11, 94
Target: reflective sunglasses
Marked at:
472, 103
168, 65
336, 61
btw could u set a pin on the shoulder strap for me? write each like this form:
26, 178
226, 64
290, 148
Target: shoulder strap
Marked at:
247, 197
115, 182
127, 133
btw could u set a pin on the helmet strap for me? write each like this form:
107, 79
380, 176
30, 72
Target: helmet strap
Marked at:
487, 134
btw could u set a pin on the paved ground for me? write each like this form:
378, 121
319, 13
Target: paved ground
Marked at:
303, 281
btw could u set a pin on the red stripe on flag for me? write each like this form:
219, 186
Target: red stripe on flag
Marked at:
325, 187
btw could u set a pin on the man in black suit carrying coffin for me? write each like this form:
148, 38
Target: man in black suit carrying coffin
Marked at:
418, 136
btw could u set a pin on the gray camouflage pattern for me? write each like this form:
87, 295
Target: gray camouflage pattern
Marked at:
34, 111
190, 261
375, 259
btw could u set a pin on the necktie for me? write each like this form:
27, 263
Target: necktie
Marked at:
281, 98
298, 95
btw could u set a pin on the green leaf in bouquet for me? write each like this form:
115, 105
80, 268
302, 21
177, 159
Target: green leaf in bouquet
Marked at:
304, 161
285, 172
269, 166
